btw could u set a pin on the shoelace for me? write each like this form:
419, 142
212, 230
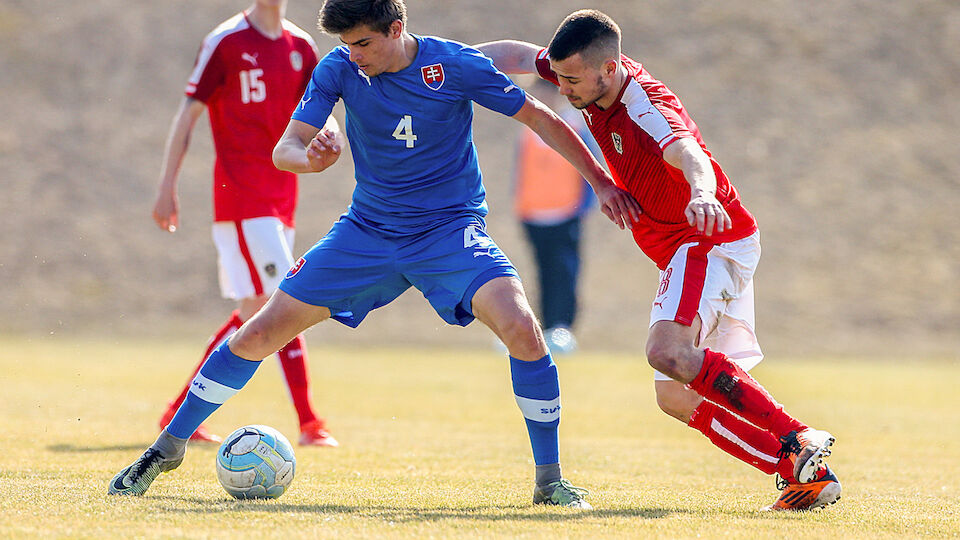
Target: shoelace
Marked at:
578, 493
148, 459
781, 482
789, 444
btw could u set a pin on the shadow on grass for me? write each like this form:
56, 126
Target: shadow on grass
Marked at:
395, 514
74, 449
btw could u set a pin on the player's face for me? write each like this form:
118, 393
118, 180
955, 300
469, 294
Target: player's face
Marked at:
581, 83
372, 51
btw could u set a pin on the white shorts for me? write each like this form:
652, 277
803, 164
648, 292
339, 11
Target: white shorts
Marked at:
715, 282
253, 256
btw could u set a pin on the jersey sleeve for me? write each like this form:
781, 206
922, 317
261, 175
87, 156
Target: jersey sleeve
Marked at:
209, 71
543, 67
323, 92
488, 86
663, 122
678, 128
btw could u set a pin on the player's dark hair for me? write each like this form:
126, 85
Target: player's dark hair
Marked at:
589, 32
339, 16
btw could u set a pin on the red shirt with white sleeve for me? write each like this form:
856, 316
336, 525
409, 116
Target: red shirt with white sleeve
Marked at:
251, 84
632, 133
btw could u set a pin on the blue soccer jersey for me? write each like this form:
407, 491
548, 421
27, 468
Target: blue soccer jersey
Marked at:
411, 132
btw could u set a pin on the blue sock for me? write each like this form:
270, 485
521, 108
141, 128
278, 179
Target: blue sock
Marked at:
222, 376
536, 386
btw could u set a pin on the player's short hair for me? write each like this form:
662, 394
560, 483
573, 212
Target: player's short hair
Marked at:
339, 16
589, 32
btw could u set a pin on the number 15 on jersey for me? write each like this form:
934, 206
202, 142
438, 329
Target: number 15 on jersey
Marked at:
404, 131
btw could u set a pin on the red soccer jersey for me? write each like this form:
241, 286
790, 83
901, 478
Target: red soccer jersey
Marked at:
633, 132
251, 84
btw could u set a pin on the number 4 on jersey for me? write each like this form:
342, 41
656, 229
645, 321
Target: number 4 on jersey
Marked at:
404, 131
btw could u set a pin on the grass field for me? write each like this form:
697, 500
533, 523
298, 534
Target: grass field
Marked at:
433, 446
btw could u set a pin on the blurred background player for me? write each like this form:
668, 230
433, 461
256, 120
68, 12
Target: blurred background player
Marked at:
250, 73
702, 338
550, 200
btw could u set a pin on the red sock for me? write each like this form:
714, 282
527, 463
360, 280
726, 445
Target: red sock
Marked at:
225, 331
740, 439
293, 360
725, 383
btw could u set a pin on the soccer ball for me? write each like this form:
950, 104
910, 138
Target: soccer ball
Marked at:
255, 462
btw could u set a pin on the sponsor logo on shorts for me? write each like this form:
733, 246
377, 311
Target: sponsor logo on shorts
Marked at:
482, 253
296, 268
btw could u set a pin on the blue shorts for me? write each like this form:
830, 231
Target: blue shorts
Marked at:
356, 268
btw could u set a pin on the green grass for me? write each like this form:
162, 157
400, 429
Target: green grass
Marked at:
434, 446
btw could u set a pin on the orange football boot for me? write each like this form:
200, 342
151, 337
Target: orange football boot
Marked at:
822, 491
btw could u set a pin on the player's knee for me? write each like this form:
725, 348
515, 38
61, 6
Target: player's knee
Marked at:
664, 357
522, 335
250, 341
661, 356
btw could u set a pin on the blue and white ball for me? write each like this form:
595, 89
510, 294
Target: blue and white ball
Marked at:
256, 462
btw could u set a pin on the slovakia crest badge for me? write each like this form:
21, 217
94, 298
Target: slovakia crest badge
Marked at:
432, 76
296, 268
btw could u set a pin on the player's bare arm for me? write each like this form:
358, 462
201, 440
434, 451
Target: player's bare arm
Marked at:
704, 210
615, 203
511, 56
166, 208
305, 149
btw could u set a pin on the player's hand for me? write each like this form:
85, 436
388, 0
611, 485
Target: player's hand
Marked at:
323, 150
166, 211
618, 205
705, 212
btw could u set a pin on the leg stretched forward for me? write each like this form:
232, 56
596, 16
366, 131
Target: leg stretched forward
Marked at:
223, 374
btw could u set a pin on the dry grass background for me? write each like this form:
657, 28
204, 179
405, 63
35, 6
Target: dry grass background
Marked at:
837, 121
437, 449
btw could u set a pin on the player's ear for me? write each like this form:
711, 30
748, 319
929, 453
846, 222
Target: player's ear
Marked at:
396, 29
610, 67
